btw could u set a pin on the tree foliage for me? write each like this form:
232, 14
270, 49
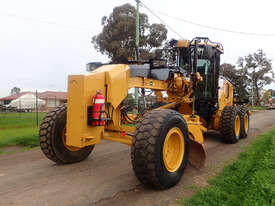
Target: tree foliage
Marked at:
238, 79
258, 69
117, 39
15, 90
254, 71
169, 53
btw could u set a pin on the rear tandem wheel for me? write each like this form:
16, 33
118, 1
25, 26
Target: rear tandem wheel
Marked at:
52, 138
245, 119
230, 124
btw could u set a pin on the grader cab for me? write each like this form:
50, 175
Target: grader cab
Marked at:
190, 100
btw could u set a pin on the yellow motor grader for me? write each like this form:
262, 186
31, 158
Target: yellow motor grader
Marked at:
191, 99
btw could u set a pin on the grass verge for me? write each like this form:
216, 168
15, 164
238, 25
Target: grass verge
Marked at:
19, 120
19, 136
19, 129
257, 108
250, 180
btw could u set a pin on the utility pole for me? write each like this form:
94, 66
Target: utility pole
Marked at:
137, 45
137, 30
252, 93
36, 107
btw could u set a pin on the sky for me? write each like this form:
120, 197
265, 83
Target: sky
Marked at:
44, 41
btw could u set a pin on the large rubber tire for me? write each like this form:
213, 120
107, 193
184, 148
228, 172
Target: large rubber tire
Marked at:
227, 124
50, 138
148, 144
245, 120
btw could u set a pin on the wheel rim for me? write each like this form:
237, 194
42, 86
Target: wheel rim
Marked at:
173, 149
246, 122
237, 125
64, 137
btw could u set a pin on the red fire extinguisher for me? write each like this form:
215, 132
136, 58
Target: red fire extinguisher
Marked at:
98, 109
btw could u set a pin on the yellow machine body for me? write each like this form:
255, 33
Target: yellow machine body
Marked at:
186, 98
111, 80
114, 81
225, 99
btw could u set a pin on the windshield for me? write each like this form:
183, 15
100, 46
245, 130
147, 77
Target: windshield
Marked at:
204, 88
205, 67
183, 60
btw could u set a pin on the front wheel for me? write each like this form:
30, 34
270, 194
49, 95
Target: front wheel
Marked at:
160, 148
52, 138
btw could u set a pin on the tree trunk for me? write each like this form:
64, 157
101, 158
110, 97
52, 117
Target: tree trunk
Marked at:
257, 93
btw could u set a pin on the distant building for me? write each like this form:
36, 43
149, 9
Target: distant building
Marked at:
53, 99
27, 100
8, 99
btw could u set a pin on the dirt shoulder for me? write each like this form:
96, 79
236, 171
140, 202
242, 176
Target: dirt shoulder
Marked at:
106, 177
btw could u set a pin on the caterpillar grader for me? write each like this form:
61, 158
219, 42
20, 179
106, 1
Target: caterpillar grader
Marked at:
191, 99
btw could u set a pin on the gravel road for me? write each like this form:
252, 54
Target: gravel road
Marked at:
106, 177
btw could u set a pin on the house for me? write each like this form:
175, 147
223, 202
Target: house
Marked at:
53, 99
27, 100
8, 99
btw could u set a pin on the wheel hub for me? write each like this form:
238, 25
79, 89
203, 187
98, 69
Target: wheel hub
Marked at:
246, 122
173, 149
237, 125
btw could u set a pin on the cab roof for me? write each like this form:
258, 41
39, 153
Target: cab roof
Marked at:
186, 43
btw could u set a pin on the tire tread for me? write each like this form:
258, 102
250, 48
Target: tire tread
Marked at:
227, 123
51, 149
143, 156
45, 134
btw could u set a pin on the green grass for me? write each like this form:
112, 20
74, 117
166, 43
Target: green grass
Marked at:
257, 108
19, 129
19, 136
22, 120
250, 180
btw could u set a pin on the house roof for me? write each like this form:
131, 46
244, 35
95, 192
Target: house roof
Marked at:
14, 96
53, 95
43, 95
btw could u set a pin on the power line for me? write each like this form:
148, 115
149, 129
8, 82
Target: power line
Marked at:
24, 18
150, 10
214, 28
